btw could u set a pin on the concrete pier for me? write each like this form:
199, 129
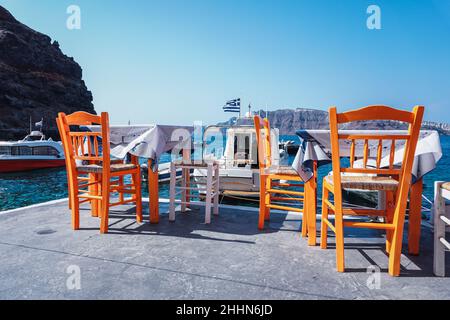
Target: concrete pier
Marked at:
43, 258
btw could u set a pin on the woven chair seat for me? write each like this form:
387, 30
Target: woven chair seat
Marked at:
116, 167
446, 186
373, 183
281, 170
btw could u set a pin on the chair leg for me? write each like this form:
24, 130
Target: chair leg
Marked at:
208, 194
173, 181
216, 190
106, 182
138, 195
439, 231
93, 191
75, 208
184, 184
267, 199
99, 193
397, 242
339, 226
323, 225
70, 193
389, 218
262, 202
121, 194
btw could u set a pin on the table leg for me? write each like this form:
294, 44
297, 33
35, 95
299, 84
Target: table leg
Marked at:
415, 217
153, 193
305, 218
135, 161
311, 206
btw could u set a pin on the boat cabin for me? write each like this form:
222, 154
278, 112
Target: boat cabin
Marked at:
236, 146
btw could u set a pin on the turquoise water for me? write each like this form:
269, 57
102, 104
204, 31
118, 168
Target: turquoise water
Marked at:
23, 189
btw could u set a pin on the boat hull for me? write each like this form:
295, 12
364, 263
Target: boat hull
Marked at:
8, 166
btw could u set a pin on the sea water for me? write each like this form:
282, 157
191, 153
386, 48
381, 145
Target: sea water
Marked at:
27, 188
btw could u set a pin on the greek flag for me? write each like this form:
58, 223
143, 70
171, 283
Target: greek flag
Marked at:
40, 123
233, 106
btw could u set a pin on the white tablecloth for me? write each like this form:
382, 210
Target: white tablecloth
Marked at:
146, 141
316, 146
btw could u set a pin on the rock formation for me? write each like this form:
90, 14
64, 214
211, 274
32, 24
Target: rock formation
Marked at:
36, 80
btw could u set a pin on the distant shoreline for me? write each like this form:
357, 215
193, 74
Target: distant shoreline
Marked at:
288, 121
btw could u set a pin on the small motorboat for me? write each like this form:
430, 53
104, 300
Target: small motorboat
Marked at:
289, 147
31, 153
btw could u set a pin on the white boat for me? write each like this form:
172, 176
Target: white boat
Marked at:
32, 152
238, 159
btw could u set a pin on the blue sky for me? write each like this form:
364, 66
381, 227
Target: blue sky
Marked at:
176, 61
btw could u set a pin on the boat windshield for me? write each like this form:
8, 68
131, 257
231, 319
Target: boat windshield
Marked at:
34, 136
28, 151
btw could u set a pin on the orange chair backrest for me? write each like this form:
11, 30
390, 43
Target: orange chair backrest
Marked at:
385, 141
262, 127
92, 147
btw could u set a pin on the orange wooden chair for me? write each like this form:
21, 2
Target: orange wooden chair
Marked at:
92, 188
275, 180
393, 180
89, 166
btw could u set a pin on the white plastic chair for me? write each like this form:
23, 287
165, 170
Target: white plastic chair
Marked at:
441, 221
211, 185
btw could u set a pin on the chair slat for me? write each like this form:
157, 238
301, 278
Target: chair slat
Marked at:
352, 153
392, 155
96, 151
379, 153
89, 144
82, 145
366, 152
75, 145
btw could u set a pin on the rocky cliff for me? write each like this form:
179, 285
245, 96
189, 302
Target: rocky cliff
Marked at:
290, 120
36, 80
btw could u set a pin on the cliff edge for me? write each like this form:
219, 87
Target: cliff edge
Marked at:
36, 80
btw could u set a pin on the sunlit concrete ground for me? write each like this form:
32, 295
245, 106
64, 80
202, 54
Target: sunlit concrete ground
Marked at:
229, 259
